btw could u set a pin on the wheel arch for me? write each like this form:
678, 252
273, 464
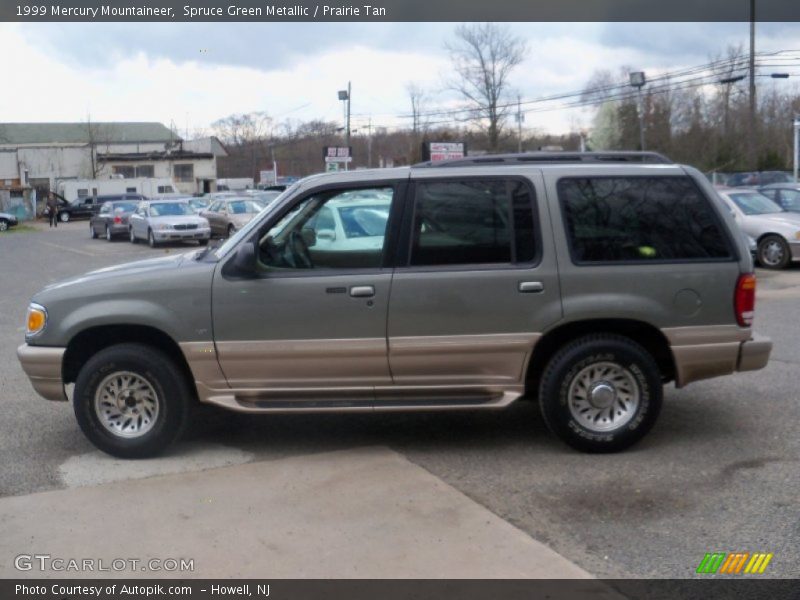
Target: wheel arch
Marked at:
89, 342
641, 332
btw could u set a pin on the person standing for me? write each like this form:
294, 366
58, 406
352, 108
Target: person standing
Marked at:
52, 209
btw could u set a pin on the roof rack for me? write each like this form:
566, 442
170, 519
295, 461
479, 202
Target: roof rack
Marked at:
550, 157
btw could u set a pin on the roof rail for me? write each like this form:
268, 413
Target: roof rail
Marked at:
550, 157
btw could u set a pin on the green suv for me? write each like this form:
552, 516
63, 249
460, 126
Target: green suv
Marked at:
583, 281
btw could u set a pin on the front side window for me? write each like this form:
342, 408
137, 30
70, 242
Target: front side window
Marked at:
472, 222
614, 219
331, 230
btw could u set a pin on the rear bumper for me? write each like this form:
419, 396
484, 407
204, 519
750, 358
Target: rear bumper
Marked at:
42, 365
754, 353
706, 352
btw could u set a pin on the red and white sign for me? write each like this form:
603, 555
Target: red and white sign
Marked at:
446, 150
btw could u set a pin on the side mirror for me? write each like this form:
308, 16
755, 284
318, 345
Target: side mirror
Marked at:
309, 236
245, 259
326, 234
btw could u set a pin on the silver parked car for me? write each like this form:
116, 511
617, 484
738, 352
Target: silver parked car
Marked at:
786, 195
167, 220
776, 231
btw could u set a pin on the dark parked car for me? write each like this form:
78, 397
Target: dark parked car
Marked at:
7, 220
112, 219
758, 178
786, 195
85, 208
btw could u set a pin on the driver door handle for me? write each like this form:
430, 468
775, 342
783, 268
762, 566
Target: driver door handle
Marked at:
362, 291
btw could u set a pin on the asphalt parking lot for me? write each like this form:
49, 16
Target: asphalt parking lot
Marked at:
719, 472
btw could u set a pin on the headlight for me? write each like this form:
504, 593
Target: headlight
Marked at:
37, 319
164, 226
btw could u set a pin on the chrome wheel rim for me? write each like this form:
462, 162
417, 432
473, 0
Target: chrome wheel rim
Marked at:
126, 404
108, 233
3, 225
772, 253
603, 397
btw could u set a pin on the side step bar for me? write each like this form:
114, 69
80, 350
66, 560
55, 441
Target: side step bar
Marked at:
256, 404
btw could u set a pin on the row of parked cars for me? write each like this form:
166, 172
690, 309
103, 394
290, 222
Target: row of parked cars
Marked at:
178, 218
770, 215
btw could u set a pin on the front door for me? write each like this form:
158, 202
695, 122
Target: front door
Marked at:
312, 323
476, 288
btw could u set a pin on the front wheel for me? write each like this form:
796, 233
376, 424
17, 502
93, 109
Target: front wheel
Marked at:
131, 400
3, 225
151, 239
774, 252
601, 393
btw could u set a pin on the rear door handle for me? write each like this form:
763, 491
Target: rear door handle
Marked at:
362, 291
531, 287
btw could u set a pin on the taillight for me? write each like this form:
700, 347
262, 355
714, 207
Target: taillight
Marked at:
117, 220
744, 300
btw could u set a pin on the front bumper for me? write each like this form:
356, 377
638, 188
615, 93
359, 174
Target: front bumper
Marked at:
42, 365
183, 234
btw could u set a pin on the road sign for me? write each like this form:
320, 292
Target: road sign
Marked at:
436, 151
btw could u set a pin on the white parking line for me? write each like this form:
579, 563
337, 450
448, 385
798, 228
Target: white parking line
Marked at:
59, 246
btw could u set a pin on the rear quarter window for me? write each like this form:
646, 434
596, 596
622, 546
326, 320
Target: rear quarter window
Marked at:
640, 219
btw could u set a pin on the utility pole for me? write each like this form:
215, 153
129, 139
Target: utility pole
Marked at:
274, 165
347, 132
637, 80
519, 124
751, 121
369, 143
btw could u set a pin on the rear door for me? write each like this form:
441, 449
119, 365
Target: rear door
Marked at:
476, 283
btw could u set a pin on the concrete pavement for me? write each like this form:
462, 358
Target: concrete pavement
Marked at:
363, 513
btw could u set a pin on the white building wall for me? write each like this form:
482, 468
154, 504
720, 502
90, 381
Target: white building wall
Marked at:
204, 168
8, 165
56, 162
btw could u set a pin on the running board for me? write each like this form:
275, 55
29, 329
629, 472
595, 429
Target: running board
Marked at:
255, 404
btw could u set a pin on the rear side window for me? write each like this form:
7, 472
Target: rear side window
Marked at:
472, 222
616, 219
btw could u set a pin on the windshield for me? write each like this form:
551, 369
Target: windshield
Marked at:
753, 203
125, 206
245, 231
170, 209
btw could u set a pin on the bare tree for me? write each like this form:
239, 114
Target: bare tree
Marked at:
483, 56
239, 129
418, 98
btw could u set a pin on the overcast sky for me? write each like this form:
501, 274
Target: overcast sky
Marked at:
194, 73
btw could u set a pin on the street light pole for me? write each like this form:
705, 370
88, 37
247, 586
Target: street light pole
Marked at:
796, 145
637, 80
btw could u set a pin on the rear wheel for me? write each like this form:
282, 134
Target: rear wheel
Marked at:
109, 237
774, 252
3, 225
131, 400
601, 393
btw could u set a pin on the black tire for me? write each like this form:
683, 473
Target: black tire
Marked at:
636, 370
109, 237
160, 372
203, 242
774, 252
132, 237
63, 217
92, 232
151, 239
